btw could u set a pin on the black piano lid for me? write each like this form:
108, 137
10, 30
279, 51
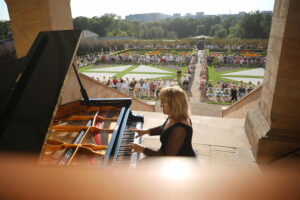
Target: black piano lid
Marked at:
8, 76
30, 106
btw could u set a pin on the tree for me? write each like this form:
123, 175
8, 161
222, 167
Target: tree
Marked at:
216, 29
266, 25
251, 26
171, 35
5, 30
200, 29
230, 22
155, 32
235, 31
221, 33
82, 23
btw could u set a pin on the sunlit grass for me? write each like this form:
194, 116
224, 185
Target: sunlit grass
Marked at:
216, 76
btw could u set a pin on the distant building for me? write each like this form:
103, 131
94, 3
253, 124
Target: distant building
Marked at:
266, 12
152, 17
199, 14
188, 15
148, 17
176, 15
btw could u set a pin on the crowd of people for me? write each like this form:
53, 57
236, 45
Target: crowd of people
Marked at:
236, 60
188, 77
142, 88
225, 91
145, 88
228, 91
235, 47
177, 60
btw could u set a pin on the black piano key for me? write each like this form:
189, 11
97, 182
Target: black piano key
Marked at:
125, 155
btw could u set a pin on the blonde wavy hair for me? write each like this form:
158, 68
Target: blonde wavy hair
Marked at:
177, 101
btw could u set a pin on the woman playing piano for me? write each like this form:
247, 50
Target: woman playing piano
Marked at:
176, 132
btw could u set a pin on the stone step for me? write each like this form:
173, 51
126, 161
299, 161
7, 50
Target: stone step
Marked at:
215, 139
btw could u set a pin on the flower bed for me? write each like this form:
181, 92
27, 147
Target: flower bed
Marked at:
245, 53
250, 54
160, 52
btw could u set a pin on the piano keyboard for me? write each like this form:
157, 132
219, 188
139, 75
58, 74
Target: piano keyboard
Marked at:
124, 157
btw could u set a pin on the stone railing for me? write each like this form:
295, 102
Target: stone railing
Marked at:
240, 108
96, 89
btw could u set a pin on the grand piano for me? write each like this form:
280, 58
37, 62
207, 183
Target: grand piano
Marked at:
84, 132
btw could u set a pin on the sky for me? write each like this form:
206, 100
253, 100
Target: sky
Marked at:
90, 8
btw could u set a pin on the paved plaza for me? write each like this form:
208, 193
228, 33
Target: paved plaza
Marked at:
137, 72
110, 69
153, 72
250, 72
257, 73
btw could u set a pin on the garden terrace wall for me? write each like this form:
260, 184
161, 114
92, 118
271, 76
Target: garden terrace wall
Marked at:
97, 90
240, 108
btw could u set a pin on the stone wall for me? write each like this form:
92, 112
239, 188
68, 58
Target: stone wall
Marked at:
273, 127
240, 108
97, 90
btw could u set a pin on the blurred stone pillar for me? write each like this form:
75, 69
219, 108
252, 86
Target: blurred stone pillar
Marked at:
30, 17
273, 127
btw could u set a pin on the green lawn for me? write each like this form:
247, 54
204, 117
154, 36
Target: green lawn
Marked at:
82, 69
119, 74
126, 71
94, 66
215, 76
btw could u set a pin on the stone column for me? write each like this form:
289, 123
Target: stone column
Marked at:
30, 17
273, 127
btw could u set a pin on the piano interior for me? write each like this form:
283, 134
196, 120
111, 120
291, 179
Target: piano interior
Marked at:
92, 127
83, 135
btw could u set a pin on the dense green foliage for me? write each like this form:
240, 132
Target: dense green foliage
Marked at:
252, 25
248, 31
5, 30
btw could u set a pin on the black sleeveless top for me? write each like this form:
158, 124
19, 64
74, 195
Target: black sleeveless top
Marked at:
176, 140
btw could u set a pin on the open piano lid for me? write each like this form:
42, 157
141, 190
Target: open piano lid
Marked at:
31, 100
